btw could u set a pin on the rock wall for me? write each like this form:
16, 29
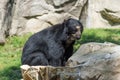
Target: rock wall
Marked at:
22, 16
103, 13
40, 14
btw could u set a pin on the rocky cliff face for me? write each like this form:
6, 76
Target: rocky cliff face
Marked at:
21, 16
103, 13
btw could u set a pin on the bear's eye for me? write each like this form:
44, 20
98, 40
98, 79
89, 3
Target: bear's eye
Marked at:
74, 31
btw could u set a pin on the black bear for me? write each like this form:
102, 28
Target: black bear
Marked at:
52, 46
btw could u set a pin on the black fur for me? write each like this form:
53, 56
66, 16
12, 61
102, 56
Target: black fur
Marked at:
51, 46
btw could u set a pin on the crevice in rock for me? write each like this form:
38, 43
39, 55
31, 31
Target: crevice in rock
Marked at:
64, 4
110, 16
33, 16
8, 16
83, 9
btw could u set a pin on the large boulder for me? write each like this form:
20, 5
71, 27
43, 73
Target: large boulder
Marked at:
98, 59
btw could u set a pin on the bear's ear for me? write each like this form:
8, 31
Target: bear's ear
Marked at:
67, 19
66, 22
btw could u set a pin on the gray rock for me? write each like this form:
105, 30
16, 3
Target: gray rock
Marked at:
96, 20
100, 59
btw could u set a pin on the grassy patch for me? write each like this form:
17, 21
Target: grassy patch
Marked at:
10, 53
10, 59
99, 35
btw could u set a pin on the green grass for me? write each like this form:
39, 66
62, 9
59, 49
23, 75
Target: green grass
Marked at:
99, 35
10, 53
